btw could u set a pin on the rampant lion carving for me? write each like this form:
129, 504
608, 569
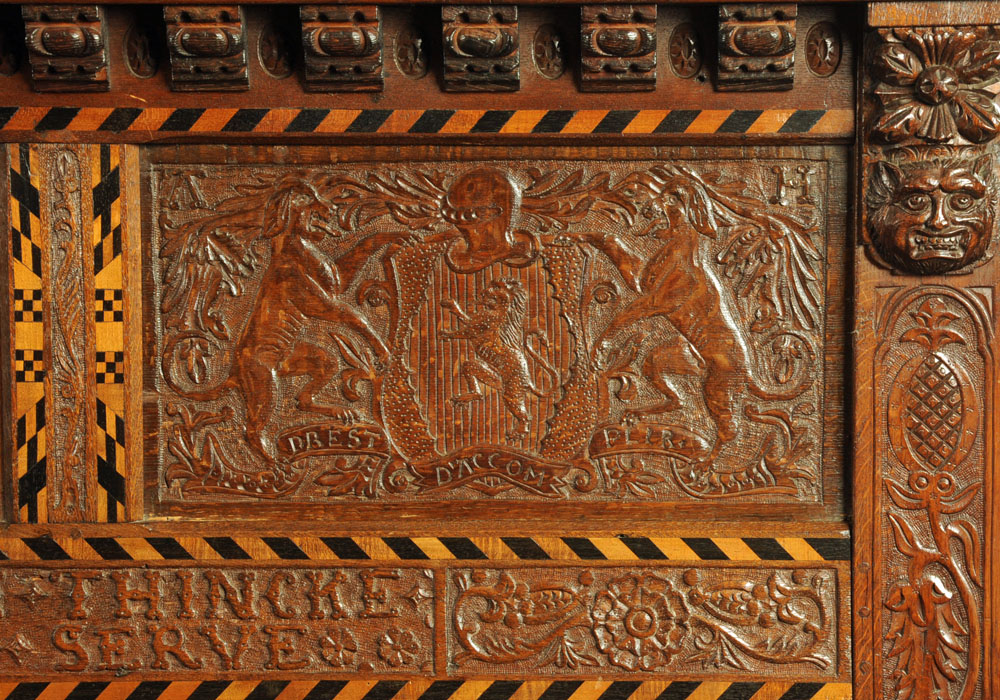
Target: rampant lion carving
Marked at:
496, 332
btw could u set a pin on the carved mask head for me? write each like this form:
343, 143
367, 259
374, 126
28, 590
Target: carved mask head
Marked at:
932, 216
480, 199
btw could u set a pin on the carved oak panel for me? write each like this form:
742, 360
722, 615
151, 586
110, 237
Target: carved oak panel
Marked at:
645, 331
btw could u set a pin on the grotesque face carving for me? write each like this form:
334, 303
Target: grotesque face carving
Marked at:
931, 216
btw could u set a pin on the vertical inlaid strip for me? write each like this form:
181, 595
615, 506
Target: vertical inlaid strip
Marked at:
28, 368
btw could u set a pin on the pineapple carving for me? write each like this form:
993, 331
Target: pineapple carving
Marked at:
934, 413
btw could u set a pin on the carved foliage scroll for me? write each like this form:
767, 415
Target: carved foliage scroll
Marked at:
680, 621
207, 45
756, 46
557, 299
618, 45
937, 372
66, 47
343, 47
480, 48
931, 186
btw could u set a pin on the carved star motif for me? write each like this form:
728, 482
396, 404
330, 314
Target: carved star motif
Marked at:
34, 595
17, 646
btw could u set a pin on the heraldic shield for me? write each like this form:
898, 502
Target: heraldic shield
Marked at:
646, 331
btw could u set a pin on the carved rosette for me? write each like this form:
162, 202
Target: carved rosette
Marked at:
930, 187
932, 492
66, 47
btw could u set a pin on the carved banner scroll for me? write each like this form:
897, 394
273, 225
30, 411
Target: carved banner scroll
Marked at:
505, 331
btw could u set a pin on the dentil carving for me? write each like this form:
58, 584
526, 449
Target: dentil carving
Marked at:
528, 331
643, 621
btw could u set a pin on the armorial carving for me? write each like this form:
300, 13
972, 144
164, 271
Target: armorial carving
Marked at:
756, 46
618, 45
480, 48
931, 188
207, 45
66, 47
489, 331
343, 47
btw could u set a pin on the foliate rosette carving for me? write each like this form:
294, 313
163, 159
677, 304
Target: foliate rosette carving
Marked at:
66, 47
933, 524
929, 83
207, 46
516, 331
343, 47
756, 46
481, 45
618, 47
643, 621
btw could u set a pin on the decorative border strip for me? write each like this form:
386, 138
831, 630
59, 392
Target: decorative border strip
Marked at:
838, 122
426, 690
314, 548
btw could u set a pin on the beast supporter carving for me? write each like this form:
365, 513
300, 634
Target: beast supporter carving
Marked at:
126, 620
652, 330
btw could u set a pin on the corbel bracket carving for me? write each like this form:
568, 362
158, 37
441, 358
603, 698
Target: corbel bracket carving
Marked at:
480, 48
207, 45
756, 46
618, 47
342, 47
66, 47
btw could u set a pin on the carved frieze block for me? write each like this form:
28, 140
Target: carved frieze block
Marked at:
756, 46
618, 47
481, 44
571, 331
216, 619
67, 47
342, 47
207, 45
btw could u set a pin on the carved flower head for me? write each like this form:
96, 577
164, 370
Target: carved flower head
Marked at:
398, 647
931, 84
640, 622
338, 647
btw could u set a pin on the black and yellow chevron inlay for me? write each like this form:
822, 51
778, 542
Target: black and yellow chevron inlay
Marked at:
109, 337
426, 690
317, 548
28, 371
158, 120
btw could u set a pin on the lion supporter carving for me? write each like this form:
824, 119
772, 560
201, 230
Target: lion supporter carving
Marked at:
644, 330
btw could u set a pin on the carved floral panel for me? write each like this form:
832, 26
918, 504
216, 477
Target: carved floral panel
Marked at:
937, 360
678, 621
640, 330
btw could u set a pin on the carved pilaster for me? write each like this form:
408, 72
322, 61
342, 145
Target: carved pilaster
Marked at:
480, 48
207, 45
342, 47
756, 46
66, 47
618, 47
926, 285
